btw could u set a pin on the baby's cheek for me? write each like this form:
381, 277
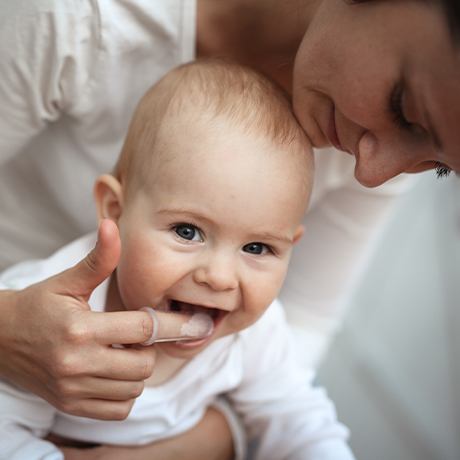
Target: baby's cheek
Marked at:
257, 303
267, 291
131, 285
135, 277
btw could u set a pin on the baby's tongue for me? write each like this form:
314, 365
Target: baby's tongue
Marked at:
178, 326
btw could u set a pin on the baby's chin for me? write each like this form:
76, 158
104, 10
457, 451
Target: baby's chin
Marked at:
178, 350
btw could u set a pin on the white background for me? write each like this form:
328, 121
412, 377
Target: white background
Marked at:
394, 368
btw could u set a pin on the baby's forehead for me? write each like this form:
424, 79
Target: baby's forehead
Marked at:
185, 132
237, 187
207, 110
215, 143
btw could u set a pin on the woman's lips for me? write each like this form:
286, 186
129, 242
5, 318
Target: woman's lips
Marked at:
332, 131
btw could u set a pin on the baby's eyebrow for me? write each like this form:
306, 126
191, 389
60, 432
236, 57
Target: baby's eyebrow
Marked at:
183, 212
270, 236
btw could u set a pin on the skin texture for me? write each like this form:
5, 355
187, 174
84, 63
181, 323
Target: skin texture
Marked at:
213, 179
341, 62
350, 61
346, 66
70, 382
209, 189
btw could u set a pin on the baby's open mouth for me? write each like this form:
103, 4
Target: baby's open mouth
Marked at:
200, 325
185, 307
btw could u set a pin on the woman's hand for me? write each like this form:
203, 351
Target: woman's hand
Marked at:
211, 439
53, 345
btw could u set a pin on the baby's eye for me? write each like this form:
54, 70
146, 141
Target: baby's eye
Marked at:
256, 248
188, 232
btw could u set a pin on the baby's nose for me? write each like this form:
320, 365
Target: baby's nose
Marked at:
218, 272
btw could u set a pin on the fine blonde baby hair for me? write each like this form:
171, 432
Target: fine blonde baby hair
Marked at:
204, 90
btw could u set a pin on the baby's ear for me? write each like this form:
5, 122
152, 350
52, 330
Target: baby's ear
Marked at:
109, 197
298, 233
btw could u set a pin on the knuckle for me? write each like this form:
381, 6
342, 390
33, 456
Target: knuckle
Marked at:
64, 365
147, 327
64, 389
122, 410
136, 390
148, 366
91, 261
68, 407
77, 333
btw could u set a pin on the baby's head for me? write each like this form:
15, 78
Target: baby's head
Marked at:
208, 194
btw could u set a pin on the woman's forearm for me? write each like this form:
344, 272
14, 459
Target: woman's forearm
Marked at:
211, 439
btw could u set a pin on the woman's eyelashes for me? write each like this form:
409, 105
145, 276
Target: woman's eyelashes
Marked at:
397, 112
442, 170
188, 232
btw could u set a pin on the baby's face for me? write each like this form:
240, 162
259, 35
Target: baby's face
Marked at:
214, 231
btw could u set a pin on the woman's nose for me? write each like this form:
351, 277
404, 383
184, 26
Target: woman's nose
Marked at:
378, 160
217, 271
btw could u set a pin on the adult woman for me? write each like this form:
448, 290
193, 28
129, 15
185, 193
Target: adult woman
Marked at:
70, 77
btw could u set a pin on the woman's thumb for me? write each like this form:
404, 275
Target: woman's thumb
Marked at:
99, 263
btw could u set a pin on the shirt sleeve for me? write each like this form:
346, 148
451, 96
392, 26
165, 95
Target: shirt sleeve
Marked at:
46, 50
24, 419
281, 409
342, 229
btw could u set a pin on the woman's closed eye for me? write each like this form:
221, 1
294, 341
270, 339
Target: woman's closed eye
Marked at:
397, 112
396, 107
188, 232
257, 248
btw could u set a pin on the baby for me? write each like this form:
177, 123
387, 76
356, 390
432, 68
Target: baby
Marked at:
208, 196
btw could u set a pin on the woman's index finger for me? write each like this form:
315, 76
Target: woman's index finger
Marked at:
121, 327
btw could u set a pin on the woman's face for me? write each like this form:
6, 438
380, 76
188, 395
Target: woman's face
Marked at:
381, 81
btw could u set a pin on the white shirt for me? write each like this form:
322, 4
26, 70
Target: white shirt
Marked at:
255, 368
71, 73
